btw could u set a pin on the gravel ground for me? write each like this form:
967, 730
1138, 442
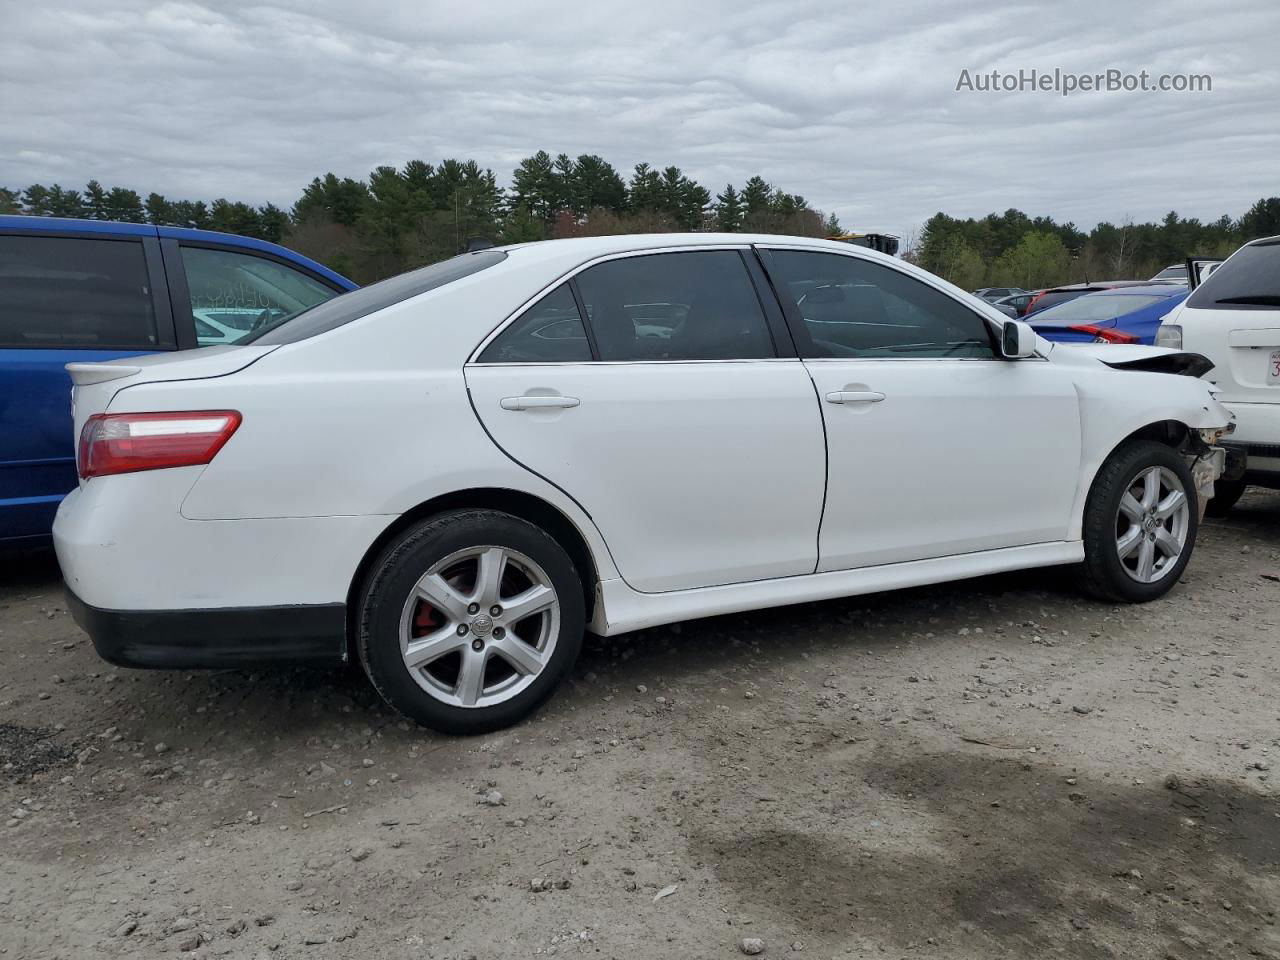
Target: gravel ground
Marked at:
989, 769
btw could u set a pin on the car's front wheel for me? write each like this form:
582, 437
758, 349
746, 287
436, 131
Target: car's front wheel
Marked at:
469, 620
1140, 523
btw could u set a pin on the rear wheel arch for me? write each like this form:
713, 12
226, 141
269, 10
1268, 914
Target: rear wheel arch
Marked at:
525, 506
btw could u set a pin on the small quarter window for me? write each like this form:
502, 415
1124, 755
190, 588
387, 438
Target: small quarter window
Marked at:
550, 331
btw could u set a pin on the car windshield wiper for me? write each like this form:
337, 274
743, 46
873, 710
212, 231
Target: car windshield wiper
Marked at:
1261, 300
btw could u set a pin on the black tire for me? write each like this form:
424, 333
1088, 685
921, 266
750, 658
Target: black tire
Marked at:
1226, 494
1103, 574
396, 572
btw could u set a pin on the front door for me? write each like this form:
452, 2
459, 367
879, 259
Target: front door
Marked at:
668, 415
936, 446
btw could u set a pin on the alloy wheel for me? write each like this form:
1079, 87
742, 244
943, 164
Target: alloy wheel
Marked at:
1152, 523
479, 626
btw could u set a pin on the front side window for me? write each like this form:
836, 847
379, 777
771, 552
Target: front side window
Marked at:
698, 305
233, 294
550, 331
850, 307
71, 292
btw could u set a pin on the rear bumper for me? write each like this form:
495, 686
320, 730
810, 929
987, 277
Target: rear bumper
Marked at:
1257, 435
218, 638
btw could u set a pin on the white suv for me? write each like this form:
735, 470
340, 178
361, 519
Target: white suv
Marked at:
1233, 318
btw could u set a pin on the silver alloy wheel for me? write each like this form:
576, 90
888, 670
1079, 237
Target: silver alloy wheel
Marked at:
1152, 524
479, 626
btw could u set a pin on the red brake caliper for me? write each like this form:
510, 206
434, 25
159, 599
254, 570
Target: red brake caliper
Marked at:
426, 619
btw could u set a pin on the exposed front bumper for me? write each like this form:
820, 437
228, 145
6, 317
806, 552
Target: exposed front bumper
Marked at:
218, 638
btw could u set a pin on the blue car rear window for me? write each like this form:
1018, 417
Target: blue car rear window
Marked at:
360, 303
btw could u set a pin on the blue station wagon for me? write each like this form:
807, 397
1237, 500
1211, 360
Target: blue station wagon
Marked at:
77, 290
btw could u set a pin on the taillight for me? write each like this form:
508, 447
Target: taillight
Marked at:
1105, 335
128, 442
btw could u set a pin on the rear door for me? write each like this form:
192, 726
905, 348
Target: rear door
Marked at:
936, 446
64, 298
677, 416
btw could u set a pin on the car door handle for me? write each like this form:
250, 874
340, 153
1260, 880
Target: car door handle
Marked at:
538, 402
855, 396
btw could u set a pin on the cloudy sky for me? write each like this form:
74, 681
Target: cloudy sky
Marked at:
852, 105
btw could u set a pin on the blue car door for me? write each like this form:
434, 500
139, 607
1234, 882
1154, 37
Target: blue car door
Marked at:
64, 296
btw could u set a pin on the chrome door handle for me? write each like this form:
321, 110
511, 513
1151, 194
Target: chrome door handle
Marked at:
855, 396
538, 402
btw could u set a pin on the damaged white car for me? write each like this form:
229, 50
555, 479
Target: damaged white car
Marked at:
450, 475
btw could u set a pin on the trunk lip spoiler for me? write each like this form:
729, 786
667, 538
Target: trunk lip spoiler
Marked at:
87, 372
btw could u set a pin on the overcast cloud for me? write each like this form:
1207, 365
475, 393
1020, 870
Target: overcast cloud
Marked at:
852, 105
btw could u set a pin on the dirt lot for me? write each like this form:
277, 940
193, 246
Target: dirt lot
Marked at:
987, 769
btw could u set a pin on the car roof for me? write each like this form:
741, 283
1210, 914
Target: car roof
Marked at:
66, 225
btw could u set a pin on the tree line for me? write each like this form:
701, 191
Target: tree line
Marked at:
1011, 249
401, 218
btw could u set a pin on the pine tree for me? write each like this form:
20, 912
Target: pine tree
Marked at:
36, 200
95, 201
729, 210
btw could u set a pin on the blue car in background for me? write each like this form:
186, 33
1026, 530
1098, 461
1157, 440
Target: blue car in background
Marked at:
1130, 314
77, 290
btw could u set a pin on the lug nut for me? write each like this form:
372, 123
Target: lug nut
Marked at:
477, 645
499, 633
473, 608
495, 611
462, 629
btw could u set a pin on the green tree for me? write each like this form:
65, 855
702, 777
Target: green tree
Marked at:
159, 210
595, 184
95, 201
36, 200
339, 200
1261, 220
125, 205
1039, 260
729, 210
10, 201
274, 223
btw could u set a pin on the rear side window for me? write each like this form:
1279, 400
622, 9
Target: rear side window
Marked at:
850, 307
550, 331
698, 305
1248, 280
72, 292
360, 303
232, 293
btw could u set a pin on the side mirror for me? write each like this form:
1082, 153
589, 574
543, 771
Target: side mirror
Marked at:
1017, 340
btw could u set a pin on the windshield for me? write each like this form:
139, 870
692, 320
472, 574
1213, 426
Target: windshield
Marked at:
1171, 273
1248, 280
360, 303
1090, 309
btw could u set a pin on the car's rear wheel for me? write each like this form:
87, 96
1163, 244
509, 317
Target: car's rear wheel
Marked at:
1226, 493
470, 620
1140, 523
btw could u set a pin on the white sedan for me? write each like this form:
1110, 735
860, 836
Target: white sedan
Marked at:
450, 475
